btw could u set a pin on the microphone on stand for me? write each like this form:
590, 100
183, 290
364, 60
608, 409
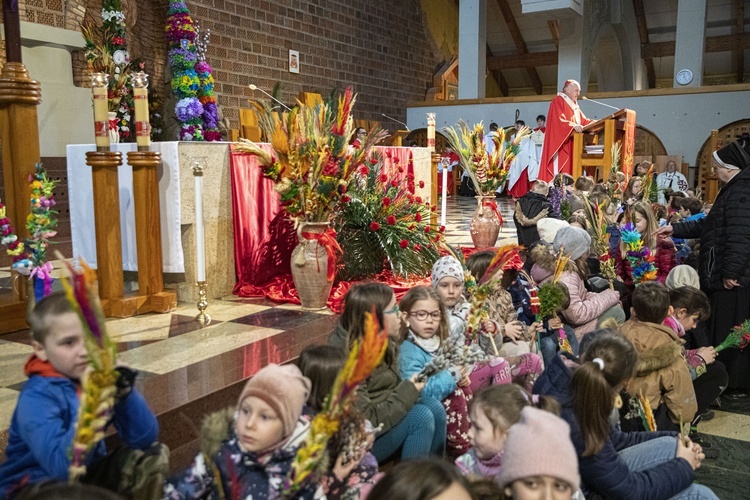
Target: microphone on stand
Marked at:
397, 121
591, 100
254, 87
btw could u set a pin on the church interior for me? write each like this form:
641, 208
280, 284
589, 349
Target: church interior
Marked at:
211, 306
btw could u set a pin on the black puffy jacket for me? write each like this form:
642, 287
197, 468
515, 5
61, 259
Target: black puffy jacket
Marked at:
724, 235
530, 208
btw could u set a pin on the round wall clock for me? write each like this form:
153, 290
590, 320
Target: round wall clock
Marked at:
684, 76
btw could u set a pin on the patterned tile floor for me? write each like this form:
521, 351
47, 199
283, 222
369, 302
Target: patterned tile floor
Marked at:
187, 371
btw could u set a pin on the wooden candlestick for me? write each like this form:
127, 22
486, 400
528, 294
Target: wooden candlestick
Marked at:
104, 165
148, 234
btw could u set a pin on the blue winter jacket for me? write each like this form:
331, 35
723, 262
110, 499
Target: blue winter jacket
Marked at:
43, 425
605, 474
412, 359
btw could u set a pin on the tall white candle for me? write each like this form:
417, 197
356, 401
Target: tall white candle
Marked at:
140, 100
445, 194
99, 82
431, 131
199, 165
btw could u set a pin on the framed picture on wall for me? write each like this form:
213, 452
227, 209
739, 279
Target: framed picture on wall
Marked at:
451, 92
293, 61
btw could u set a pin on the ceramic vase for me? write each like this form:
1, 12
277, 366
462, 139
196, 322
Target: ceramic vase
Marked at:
310, 267
485, 223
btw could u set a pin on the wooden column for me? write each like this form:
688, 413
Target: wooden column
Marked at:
19, 133
104, 166
152, 296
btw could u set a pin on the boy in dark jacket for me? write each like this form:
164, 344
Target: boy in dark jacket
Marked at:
530, 208
43, 425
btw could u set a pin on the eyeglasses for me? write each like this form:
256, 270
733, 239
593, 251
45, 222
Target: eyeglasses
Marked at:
392, 311
422, 315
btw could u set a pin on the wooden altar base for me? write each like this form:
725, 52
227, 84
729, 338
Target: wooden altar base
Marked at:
12, 313
133, 304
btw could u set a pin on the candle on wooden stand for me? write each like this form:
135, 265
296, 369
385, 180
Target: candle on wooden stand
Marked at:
99, 84
431, 131
140, 98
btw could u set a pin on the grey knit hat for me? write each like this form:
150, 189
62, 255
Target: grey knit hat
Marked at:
575, 241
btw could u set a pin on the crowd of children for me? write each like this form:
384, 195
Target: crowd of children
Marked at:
521, 407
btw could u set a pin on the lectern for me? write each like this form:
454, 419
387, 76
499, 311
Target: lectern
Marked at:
617, 128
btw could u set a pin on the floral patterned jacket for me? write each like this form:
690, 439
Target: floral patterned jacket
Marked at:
242, 474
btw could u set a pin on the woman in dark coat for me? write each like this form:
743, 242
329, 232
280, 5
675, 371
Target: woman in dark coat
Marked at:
724, 260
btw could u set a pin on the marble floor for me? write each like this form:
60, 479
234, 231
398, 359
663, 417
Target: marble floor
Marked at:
187, 371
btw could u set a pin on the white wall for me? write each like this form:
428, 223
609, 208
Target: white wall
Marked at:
682, 122
65, 114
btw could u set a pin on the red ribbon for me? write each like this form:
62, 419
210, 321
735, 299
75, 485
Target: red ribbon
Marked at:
492, 205
113, 124
327, 240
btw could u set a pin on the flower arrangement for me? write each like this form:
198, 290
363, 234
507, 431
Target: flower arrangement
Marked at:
98, 384
14, 246
381, 225
41, 224
640, 257
365, 355
183, 56
206, 88
106, 51
738, 337
487, 171
600, 239
311, 162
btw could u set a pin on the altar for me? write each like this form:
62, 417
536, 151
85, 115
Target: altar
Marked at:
239, 204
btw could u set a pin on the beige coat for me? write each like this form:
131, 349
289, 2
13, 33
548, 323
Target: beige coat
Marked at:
662, 375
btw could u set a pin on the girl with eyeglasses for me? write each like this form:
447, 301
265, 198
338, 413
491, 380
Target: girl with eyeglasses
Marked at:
411, 422
424, 327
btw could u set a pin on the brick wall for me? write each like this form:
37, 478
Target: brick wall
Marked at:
380, 48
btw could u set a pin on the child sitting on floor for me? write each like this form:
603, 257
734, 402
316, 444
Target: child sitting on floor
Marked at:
348, 476
494, 410
256, 450
710, 378
412, 424
540, 459
662, 374
447, 280
511, 336
530, 209
44, 421
424, 331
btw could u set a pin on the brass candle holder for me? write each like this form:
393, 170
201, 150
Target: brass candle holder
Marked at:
203, 318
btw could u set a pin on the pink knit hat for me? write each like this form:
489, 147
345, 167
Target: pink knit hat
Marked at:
539, 445
283, 388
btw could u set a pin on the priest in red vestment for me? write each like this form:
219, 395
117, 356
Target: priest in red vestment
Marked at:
564, 117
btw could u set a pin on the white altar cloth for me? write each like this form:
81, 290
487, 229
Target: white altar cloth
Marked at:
81, 195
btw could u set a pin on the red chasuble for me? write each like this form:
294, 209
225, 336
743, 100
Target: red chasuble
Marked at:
558, 139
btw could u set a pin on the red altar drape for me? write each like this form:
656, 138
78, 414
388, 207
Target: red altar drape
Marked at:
264, 237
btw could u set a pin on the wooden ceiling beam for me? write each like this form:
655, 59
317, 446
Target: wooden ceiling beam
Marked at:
554, 30
531, 60
640, 18
723, 43
515, 33
738, 56
501, 81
